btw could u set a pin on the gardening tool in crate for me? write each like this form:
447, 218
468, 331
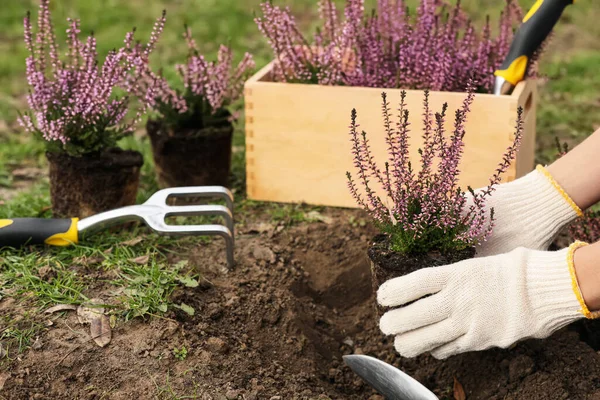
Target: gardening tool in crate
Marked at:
536, 27
392, 383
63, 232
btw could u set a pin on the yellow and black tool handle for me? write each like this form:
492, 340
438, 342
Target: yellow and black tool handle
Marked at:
17, 232
536, 27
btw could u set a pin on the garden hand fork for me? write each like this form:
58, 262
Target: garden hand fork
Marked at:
63, 232
536, 27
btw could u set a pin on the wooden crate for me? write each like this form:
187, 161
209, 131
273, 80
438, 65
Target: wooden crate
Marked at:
298, 143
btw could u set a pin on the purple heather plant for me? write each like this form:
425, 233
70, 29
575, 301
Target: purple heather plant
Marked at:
424, 210
72, 99
208, 88
437, 49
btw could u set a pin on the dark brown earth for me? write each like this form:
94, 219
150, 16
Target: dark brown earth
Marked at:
276, 328
387, 264
75, 182
199, 157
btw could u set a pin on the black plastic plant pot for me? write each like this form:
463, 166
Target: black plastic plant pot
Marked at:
93, 183
191, 158
387, 264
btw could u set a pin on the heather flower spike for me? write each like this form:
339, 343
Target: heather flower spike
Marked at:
208, 87
72, 98
424, 210
437, 48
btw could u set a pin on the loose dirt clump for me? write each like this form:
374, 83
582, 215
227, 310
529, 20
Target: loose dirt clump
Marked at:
276, 328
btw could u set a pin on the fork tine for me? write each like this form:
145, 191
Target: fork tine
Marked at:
172, 211
157, 220
160, 197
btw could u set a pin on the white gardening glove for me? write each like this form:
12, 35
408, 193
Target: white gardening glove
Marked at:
529, 212
481, 303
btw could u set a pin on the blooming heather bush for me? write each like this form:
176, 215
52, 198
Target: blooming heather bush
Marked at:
435, 49
72, 98
424, 210
208, 88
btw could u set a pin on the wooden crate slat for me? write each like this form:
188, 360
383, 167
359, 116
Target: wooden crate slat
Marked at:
298, 142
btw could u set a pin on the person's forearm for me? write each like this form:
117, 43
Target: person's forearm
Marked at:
586, 260
578, 172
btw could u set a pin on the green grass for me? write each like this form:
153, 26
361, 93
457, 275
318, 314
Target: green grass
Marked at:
166, 392
147, 288
46, 280
16, 338
34, 202
568, 102
40, 278
134, 286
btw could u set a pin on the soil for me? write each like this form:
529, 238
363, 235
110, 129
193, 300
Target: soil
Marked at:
191, 157
75, 182
275, 328
387, 264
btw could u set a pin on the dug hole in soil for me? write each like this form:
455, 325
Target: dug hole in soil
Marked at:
276, 328
93, 183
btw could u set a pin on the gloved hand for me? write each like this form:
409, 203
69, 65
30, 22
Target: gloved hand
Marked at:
481, 303
529, 212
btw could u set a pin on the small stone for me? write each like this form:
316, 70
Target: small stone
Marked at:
275, 398
358, 350
170, 329
142, 346
214, 311
232, 299
205, 357
263, 253
272, 317
216, 345
155, 353
349, 342
3, 378
202, 326
37, 345
232, 394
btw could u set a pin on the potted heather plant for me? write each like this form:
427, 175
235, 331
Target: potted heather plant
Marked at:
346, 63
74, 108
426, 219
192, 128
